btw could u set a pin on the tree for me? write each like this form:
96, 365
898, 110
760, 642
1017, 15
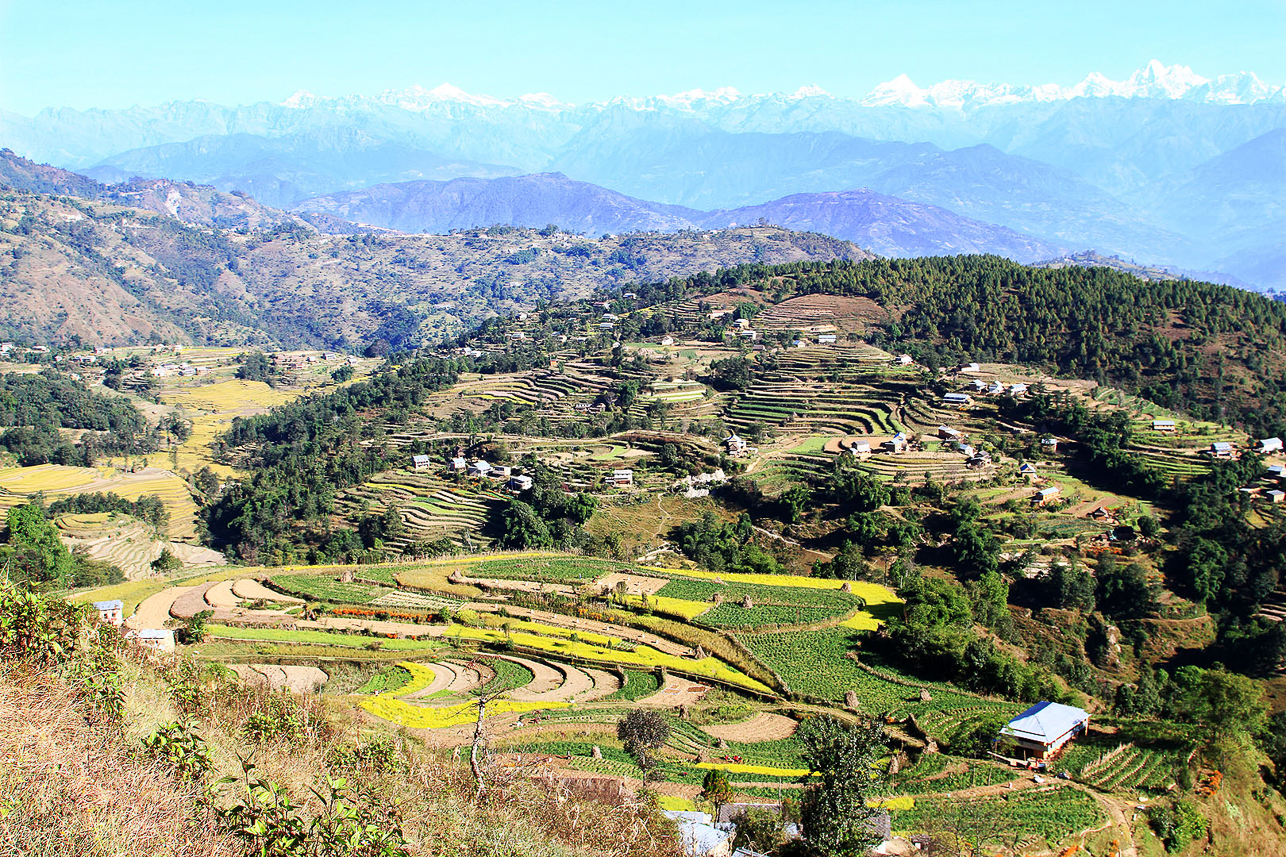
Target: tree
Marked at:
521, 527
836, 819
640, 731
256, 367
716, 788
166, 562
1124, 593
847, 564
37, 557
1222, 701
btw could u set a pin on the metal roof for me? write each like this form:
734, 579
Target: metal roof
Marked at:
1045, 722
109, 605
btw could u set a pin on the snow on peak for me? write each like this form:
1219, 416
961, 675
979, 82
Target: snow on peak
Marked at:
812, 90
301, 98
693, 97
901, 91
1154, 80
543, 101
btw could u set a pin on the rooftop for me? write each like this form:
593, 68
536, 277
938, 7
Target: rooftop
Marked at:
1045, 722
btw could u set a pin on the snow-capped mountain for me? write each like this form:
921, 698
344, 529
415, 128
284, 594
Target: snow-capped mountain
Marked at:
1093, 164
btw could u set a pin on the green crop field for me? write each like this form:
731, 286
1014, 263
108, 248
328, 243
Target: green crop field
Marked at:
324, 587
1051, 814
552, 569
638, 684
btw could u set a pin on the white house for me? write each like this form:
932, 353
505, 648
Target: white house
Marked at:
479, 468
501, 471
667, 340
457, 465
1027, 469
1017, 389
1221, 449
520, 483
1049, 444
621, 478
996, 389
1163, 425
699, 835
895, 444
965, 449
859, 449
160, 639
111, 612
607, 326
905, 360
1276, 496
747, 333
1269, 445
979, 385
1043, 730
958, 399
826, 339
736, 446
421, 462
971, 367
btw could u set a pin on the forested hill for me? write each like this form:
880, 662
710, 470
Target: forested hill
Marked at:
1212, 350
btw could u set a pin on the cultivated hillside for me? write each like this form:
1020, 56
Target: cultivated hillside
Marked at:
108, 273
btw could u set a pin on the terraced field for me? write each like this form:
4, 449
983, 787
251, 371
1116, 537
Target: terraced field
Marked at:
128, 544
431, 506
17, 484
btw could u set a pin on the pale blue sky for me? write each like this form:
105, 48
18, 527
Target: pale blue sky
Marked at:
114, 53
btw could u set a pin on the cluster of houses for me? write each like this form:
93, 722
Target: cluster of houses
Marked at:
478, 469
954, 439
180, 370
995, 388
1275, 478
157, 639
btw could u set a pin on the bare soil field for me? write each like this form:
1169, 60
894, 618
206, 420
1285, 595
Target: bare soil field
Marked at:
764, 726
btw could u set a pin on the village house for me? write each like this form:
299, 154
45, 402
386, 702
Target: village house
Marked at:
970, 367
979, 385
421, 462
747, 333
1221, 449
1049, 444
501, 471
1276, 495
457, 464
1269, 445
111, 612
981, 458
607, 326
965, 449
1045, 728
667, 340
159, 639
1164, 425
479, 468
1103, 515
741, 323
860, 449
896, 444
518, 484
622, 478
949, 433
996, 389
699, 836
1277, 471
826, 339
1046, 495
1017, 389
904, 360
957, 399
1028, 469
735, 445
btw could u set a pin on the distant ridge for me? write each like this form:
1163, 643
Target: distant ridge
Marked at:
884, 224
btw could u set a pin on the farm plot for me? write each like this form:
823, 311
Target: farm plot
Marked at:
1047, 815
547, 569
328, 588
17, 484
769, 605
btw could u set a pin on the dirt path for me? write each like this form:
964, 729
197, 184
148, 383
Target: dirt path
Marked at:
443, 677
154, 611
190, 602
764, 726
545, 678
252, 590
296, 679
605, 684
677, 692
220, 596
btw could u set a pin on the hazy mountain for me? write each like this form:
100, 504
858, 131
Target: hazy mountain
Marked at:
528, 201
281, 171
884, 224
889, 226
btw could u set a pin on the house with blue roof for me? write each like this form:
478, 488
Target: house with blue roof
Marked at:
1042, 730
111, 612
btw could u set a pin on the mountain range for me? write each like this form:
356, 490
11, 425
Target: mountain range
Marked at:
1165, 167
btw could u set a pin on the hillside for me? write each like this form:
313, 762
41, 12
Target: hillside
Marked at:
883, 224
112, 274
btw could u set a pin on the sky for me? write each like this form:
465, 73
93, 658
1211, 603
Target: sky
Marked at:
91, 53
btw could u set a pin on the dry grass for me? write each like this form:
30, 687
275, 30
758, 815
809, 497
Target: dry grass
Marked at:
67, 788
